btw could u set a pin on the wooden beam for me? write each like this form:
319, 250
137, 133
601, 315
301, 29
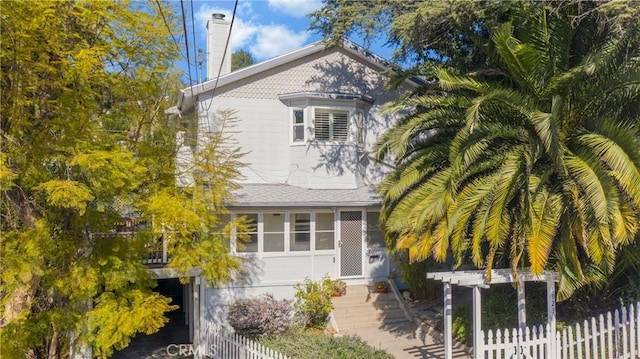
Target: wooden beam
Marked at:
498, 276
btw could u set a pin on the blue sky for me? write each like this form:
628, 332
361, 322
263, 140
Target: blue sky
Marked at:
265, 28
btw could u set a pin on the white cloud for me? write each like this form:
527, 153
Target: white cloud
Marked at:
245, 9
242, 32
296, 8
263, 41
274, 40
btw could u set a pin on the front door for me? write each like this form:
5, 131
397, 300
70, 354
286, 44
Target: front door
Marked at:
351, 244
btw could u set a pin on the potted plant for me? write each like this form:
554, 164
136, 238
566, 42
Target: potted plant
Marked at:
339, 288
382, 286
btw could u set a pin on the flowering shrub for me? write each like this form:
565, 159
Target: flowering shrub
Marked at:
261, 316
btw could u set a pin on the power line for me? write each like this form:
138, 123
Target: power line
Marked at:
164, 19
186, 40
193, 31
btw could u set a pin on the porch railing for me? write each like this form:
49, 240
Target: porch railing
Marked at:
158, 252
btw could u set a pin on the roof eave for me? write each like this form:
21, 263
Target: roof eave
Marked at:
303, 204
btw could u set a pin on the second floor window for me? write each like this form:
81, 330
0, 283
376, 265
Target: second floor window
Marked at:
298, 125
331, 125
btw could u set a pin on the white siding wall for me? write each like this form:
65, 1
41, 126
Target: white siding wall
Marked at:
264, 132
275, 275
278, 273
261, 132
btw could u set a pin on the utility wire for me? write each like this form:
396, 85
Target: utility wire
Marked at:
164, 19
195, 51
186, 40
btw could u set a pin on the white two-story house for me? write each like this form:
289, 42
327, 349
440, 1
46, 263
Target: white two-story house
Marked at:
307, 121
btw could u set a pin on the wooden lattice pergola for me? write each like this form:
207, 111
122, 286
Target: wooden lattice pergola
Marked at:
477, 279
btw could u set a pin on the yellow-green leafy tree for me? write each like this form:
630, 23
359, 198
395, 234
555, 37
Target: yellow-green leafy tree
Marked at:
84, 141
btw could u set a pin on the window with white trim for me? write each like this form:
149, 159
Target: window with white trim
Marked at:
250, 245
300, 232
325, 231
331, 125
375, 237
273, 232
268, 232
298, 125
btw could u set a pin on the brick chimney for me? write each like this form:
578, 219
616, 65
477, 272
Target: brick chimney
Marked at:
217, 32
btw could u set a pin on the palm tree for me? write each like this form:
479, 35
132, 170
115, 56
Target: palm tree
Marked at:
534, 160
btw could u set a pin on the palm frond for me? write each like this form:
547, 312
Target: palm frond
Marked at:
546, 209
450, 82
459, 219
622, 168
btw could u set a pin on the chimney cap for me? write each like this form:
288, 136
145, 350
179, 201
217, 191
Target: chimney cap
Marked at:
217, 16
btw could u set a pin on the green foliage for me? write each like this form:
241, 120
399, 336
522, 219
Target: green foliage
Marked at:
426, 32
530, 160
413, 275
462, 326
115, 319
86, 142
313, 302
193, 218
339, 287
318, 345
67, 194
241, 59
500, 310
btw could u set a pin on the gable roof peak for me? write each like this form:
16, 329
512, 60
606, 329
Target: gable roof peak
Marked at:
187, 100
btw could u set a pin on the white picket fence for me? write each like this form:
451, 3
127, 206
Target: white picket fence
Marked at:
610, 336
224, 344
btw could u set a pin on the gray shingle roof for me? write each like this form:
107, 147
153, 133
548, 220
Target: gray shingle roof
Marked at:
282, 195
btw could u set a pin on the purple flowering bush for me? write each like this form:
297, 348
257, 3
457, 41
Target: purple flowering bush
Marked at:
261, 316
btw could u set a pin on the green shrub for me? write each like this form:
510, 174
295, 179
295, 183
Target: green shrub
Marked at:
318, 345
413, 275
313, 302
500, 307
339, 287
462, 326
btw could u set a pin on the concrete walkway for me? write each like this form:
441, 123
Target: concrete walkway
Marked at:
379, 321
